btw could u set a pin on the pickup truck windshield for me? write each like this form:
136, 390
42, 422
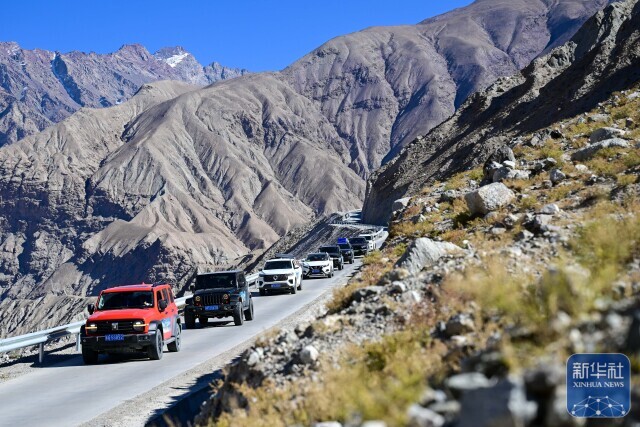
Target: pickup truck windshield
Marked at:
317, 257
215, 281
277, 265
120, 300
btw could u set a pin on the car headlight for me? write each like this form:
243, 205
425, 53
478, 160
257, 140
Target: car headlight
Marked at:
139, 325
225, 298
91, 327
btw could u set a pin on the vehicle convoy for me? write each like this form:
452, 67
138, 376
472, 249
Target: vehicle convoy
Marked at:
346, 249
129, 319
360, 245
283, 273
317, 265
218, 295
336, 255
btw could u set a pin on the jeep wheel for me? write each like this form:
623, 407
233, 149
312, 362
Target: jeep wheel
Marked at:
155, 350
89, 357
189, 320
176, 344
248, 313
238, 317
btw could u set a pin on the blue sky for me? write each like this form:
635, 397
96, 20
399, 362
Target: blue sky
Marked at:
257, 35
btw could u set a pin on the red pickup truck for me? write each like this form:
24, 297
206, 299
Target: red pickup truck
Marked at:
129, 319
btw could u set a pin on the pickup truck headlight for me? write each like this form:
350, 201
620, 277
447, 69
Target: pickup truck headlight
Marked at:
139, 325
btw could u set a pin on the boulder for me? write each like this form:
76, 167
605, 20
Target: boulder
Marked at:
504, 404
488, 198
400, 204
422, 417
550, 209
495, 160
308, 355
590, 150
459, 324
508, 174
604, 134
556, 176
424, 252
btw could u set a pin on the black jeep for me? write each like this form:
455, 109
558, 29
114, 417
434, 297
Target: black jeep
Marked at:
217, 295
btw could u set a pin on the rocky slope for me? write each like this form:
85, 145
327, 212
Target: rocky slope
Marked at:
39, 87
490, 279
601, 58
132, 193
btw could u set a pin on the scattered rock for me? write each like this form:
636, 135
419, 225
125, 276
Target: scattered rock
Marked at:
556, 176
503, 404
308, 355
629, 123
374, 423
604, 134
449, 409
511, 220
581, 168
400, 204
430, 396
509, 164
489, 198
423, 417
465, 382
398, 288
254, 357
590, 150
495, 160
459, 324
364, 293
449, 196
594, 118
550, 209
424, 252
524, 235
508, 174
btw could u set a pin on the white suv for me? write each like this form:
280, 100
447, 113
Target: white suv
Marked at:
280, 274
371, 241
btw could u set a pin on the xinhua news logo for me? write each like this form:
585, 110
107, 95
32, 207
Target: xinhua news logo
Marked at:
598, 385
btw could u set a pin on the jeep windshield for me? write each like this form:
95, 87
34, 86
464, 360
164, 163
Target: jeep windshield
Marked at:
358, 241
277, 265
331, 250
215, 281
120, 300
317, 257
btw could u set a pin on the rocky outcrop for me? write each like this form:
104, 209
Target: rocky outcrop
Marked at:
39, 88
601, 58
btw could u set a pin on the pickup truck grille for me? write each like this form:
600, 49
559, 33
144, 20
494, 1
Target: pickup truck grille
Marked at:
212, 299
274, 277
123, 327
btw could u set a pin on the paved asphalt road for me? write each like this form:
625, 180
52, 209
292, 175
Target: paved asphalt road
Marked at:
70, 393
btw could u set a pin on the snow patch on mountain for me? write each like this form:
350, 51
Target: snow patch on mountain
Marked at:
175, 59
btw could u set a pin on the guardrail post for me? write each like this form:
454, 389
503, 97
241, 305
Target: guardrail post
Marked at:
77, 342
40, 352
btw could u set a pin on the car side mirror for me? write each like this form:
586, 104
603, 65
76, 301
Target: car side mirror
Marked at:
91, 308
162, 305
192, 288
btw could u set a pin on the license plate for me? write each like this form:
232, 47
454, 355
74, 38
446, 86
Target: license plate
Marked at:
211, 307
275, 285
315, 271
114, 337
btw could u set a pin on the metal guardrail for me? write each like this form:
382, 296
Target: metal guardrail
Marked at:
40, 338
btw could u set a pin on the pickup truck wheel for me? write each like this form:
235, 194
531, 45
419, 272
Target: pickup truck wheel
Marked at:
89, 357
189, 320
248, 313
238, 318
155, 350
177, 343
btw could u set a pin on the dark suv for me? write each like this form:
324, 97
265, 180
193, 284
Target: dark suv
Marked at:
218, 295
360, 245
336, 255
347, 250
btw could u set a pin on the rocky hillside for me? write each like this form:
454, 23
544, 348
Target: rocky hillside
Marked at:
39, 87
601, 58
143, 192
490, 279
